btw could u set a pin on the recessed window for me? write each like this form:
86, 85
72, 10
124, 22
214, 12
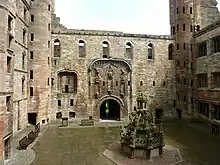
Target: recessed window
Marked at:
177, 11
198, 28
25, 14
183, 9
59, 102
202, 49
31, 74
71, 102
116, 83
202, 80
52, 81
185, 82
153, 83
48, 81
191, 10
58, 115
184, 27
48, 44
22, 85
82, 48
105, 48
170, 52
141, 83
178, 46
48, 26
9, 63
32, 36
48, 7
164, 83
150, 51
32, 18
72, 114
191, 28
8, 103
129, 50
24, 37
57, 48
31, 91
185, 99
31, 55
23, 60
66, 88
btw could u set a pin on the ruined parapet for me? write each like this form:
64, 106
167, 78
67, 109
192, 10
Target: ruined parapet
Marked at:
142, 136
60, 29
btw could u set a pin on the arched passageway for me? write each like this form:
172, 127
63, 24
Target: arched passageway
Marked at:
110, 110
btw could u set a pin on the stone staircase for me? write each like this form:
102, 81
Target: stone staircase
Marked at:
87, 122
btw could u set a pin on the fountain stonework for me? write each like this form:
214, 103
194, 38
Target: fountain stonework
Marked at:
142, 137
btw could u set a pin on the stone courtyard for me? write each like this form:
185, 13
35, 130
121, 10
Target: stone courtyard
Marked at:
86, 145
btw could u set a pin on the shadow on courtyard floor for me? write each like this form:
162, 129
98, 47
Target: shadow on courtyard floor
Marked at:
84, 146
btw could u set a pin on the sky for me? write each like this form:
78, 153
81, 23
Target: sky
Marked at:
130, 16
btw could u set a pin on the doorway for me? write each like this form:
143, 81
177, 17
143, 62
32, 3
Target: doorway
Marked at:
110, 110
32, 118
179, 113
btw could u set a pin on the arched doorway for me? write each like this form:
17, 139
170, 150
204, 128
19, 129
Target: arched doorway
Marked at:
110, 110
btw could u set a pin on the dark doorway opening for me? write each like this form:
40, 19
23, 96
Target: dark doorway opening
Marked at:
7, 147
179, 113
110, 110
32, 118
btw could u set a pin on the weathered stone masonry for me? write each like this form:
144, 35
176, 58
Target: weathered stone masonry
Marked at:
48, 71
153, 76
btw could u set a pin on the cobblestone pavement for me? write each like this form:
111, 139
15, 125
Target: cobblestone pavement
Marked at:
170, 156
23, 157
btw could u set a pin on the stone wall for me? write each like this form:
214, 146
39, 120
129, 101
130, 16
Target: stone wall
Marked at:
209, 64
159, 70
40, 64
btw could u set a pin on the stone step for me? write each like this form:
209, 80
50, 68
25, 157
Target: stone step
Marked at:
87, 122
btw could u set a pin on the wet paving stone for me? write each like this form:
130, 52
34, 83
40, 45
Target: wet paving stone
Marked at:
84, 146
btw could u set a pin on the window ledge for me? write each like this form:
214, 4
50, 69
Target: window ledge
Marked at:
10, 51
215, 89
201, 89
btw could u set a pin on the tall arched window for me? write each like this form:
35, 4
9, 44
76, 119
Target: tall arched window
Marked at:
129, 50
82, 48
105, 49
170, 51
57, 50
150, 49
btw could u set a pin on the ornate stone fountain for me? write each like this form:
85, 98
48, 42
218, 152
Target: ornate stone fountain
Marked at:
142, 137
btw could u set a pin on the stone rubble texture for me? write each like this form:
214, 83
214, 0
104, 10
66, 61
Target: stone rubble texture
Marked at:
158, 76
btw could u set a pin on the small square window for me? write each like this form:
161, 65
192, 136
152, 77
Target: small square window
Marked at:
59, 102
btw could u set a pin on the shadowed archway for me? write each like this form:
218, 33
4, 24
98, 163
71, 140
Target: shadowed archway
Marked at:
110, 110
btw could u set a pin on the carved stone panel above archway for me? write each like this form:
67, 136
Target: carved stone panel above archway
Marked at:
109, 77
